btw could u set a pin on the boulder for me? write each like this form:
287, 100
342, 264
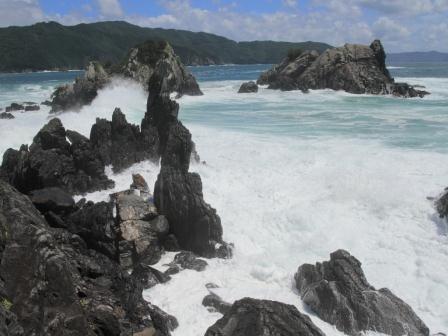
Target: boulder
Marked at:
248, 87
215, 303
164, 322
188, 260
14, 107
158, 58
141, 230
32, 107
6, 115
339, 293
353, 68
134, 207
149, 276
82, 92
52, 161
52, 199
252, 317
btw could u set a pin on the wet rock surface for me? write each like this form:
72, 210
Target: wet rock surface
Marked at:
177, 192
442, 204
252, 317
58, 281
338, 292
15, 107
159, 60
143, 63
52, 161
248, 87
214, 303
82, 92
353, 68
6, 115
122, 144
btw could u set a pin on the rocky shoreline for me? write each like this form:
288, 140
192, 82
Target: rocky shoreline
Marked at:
79, 268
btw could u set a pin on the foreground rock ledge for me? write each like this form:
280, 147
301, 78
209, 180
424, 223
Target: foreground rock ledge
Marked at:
252, 317
338, 292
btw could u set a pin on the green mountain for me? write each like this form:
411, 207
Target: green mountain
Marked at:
46, 46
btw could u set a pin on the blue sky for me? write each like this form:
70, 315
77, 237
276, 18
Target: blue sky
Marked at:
402, 25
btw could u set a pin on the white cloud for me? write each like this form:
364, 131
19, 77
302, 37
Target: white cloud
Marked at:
408, 7
20, 12
110, 8
389, 30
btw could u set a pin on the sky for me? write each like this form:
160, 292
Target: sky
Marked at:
402, 25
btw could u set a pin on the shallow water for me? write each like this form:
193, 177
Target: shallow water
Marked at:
294, 177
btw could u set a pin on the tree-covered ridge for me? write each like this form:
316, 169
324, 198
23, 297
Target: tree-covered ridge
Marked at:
46, 46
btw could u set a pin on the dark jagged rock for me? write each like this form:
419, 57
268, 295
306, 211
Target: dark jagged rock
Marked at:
95, 223
442, 204
170, 243
283, 76
52, 199
33, 107
164, 322
215, 303
14, 107
338, 292
353, 68
189, 260
248, 87
178, 193
251, 317
149, 276
122, 144
6, 115
51, 161
197, 227
56, 285
158, 59
82, 92
143, 62
8, 320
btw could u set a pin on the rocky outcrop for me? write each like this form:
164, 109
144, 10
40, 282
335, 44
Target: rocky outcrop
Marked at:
53, 161
196, 225
82, 92
442, 204
353, 68
338, 292
143, 63
251, 317
122, 144
178, 193
158, 58
213, 302
15, 107
283, 76
6, 115
53, 284
248, 87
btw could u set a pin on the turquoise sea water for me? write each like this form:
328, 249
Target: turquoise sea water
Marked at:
293, 177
